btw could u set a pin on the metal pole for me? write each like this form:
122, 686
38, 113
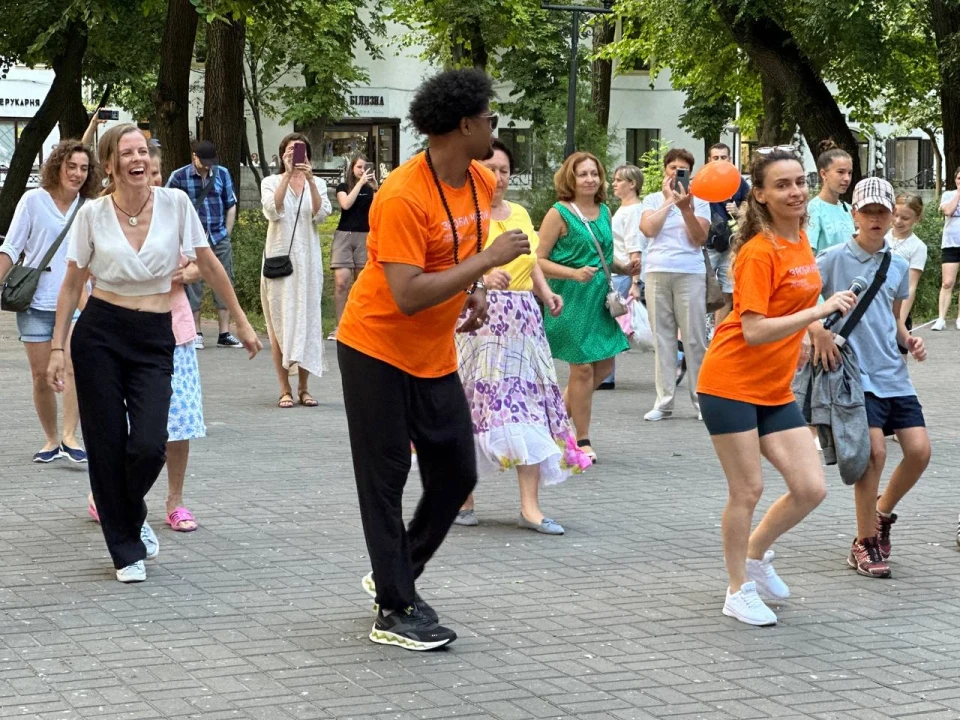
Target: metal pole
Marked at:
572, 90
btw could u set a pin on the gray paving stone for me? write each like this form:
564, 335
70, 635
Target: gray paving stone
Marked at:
259, 614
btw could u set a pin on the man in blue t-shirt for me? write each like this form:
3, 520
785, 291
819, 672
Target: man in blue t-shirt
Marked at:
718, 238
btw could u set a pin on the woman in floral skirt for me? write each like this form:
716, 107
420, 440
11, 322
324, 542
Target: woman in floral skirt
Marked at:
507, 371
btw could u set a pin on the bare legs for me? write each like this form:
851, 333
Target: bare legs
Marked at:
578, 396
791, 452
342, 281
528, 477
915, 444
946, 288
45, 399
283, 374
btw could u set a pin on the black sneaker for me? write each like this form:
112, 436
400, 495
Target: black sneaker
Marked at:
228, 340
371, 589
410, 629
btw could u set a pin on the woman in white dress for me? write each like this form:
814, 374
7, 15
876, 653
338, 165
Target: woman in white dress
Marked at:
294, 203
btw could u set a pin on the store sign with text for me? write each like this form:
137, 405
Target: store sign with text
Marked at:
368, 104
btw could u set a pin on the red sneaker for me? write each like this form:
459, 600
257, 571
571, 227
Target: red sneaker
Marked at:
865, 558
883, 534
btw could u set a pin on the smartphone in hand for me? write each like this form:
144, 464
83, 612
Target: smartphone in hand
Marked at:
299, 153
682, 178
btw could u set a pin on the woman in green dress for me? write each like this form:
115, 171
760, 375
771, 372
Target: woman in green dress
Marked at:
584, 335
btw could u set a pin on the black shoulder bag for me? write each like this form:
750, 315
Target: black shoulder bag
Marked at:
20, 284
861, 307
280, 265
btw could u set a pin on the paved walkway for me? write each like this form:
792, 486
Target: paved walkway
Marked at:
260, 613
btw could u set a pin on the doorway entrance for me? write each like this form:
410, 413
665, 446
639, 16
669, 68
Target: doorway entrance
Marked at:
334, 145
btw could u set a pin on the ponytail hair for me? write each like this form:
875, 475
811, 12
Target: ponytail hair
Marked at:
757, 219
828, 152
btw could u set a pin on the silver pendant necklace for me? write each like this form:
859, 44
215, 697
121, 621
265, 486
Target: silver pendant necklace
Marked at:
132, 219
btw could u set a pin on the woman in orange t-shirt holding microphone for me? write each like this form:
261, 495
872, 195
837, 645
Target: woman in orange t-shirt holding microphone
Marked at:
744, 385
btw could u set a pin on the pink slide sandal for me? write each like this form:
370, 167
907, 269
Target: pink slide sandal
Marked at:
182, 520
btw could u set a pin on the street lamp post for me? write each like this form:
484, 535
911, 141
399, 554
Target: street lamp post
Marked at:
575, 11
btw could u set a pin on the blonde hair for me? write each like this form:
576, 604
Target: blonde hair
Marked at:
107, 149
912, 201
632, 174
565, 179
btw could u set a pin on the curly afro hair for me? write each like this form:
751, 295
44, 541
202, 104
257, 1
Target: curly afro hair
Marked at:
441, 102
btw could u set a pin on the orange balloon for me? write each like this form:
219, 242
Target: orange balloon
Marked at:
716, 181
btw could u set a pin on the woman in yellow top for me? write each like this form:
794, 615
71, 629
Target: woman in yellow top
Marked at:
519, 420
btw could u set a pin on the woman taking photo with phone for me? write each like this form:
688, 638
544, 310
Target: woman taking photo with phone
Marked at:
349, 254
745, 382
584, 335
676, 225
294, 203
67, 179
123, 344
830, 220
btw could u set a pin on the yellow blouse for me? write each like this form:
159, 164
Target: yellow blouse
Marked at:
521, 269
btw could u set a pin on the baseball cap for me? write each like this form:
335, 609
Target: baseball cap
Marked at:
873, 191
206, 152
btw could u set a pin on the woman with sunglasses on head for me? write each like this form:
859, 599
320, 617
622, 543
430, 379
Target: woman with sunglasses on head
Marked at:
123, 344
830, 220
745, 382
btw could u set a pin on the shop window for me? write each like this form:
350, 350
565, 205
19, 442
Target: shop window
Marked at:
520, 142
640, 141
8, 141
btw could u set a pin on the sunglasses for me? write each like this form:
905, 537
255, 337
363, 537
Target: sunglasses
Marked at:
491, 118
779, 148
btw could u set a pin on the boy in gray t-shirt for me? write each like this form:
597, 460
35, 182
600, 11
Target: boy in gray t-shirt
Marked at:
891, 401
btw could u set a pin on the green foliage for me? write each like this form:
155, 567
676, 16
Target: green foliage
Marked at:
930, 230
651, 162
249, 234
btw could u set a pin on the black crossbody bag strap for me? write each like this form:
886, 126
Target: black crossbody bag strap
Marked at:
296, 219
206, 190
861, 307
45, 263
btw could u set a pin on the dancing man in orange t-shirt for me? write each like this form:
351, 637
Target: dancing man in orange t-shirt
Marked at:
395, 344
744, 384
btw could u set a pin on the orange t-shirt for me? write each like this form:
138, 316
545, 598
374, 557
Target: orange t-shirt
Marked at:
774, 278
408, 225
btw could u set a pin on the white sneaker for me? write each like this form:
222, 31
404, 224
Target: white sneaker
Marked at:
132, 573
769, 584
958, 322
150, 542
369, 586
656, 414
747, 607
938, 325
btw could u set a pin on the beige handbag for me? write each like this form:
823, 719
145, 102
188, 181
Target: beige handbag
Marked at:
615, 303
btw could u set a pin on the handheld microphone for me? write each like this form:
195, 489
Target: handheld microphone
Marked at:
858, 285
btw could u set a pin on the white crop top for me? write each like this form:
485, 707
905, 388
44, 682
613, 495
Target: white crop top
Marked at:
98, 241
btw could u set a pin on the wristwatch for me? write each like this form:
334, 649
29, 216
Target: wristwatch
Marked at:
478, 285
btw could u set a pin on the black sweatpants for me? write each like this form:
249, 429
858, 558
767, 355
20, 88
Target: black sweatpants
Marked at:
387, 409
123, 362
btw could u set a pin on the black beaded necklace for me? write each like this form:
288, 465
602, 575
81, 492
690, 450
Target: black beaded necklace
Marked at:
453, 226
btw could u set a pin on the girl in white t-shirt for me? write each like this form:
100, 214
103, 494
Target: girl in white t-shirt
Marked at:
950, 252
130, 239
904, 242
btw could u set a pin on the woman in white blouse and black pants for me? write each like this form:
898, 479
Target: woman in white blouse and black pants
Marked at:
123, 343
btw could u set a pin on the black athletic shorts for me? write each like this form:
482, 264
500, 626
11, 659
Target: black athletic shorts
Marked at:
723, 416
893, 413
949, 255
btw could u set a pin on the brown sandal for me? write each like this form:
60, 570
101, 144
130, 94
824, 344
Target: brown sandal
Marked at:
285, 404
310, 400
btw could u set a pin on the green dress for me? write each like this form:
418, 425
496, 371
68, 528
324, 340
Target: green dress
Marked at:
584, 332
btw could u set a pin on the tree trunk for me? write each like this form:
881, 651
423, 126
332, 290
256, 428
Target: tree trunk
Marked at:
774, 129
245, 149
937, 161
74, 120
251, 91
172, 97
67, 66
945, 21
782, 63
223, 93
476, 54
603, 34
